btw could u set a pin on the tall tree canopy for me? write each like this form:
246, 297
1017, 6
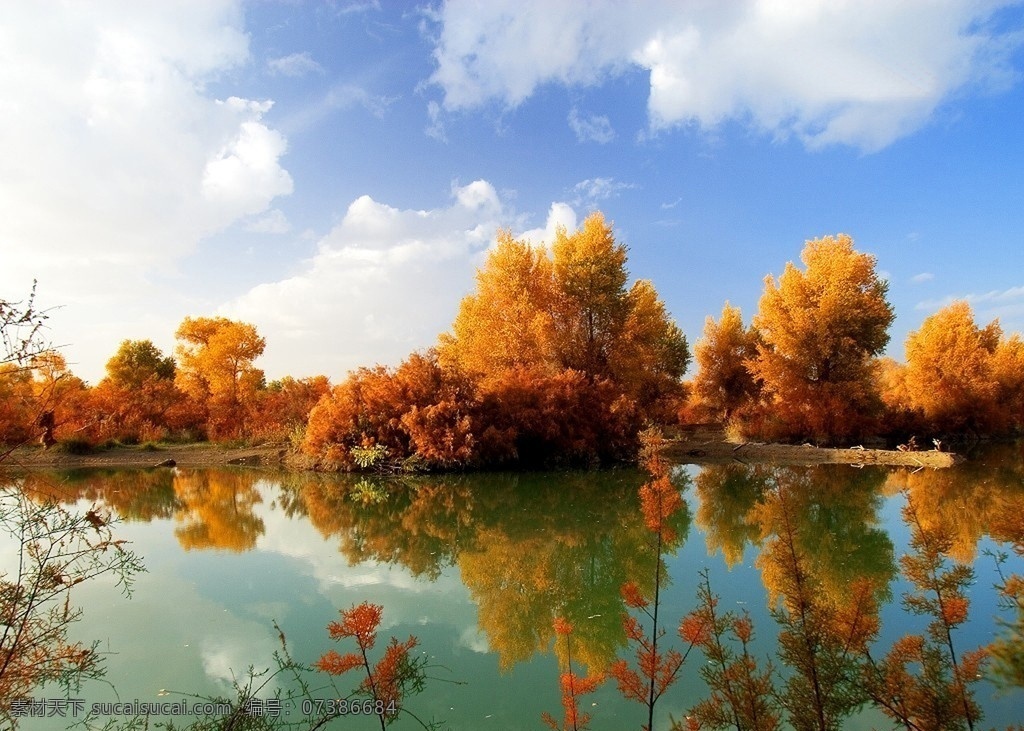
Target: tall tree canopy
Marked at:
136, 361
723, 382
215, 367
949, 375
591, 311
820, 328
567, 309
508, 321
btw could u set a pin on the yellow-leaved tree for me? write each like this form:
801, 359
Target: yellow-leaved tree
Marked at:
949, 372
590, 275
569, 309
820, 328
724, 383
508, 321
215, 369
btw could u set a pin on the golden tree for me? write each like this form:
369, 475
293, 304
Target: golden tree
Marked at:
590, 274
650, 355
724, 382
820, 327
949, 369
17, 406
507, 322
570, 310
215, 357
1008, 371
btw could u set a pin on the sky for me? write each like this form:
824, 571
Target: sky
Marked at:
334, 172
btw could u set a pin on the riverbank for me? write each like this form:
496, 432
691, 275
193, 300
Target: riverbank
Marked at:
182, 455
710, 446
701, 446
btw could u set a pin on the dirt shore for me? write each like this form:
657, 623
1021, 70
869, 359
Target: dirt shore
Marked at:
711, 447
704, 446
182, 455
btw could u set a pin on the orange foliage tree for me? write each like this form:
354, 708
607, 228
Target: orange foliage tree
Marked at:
215, 357
656, 668
508, 321
742, 695
724, 383
820, 328
386, 416
60, 398
138, 400
590, 276
570, 310
284, 405
17, 405
951, 376
604, 329
923, 682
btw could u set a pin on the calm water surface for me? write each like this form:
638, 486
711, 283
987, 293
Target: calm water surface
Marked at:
478, 566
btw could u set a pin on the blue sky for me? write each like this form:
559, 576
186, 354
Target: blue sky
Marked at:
334, 172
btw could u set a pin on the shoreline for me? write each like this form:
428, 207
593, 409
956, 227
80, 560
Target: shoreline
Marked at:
702, 447
183, 455
711, 447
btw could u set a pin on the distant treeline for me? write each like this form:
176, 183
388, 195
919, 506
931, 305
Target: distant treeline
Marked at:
809, 366
554, 360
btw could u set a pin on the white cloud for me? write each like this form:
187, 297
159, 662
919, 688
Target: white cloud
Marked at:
995, 297
922, 277
861, 74
592, 128
559, 215
274, 222
384, 282
338, 97
436, 128
592, 191
115, 159
245, 176
295, 64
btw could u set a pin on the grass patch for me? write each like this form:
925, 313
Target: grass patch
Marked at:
73, 446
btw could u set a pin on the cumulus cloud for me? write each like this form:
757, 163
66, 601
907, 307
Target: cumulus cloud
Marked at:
861, 74
116, 158
295, 64
274, 222
113, 148
559, 215
591, 128
384, 281
922, 277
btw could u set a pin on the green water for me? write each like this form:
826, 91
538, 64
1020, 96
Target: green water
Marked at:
478, 566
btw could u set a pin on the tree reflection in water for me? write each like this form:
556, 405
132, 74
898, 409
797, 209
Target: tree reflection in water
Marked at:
531, 548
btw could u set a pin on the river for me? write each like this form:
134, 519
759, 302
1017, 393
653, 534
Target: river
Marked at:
478, 567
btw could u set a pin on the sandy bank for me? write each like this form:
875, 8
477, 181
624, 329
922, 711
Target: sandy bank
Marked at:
183, 455
708, 447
